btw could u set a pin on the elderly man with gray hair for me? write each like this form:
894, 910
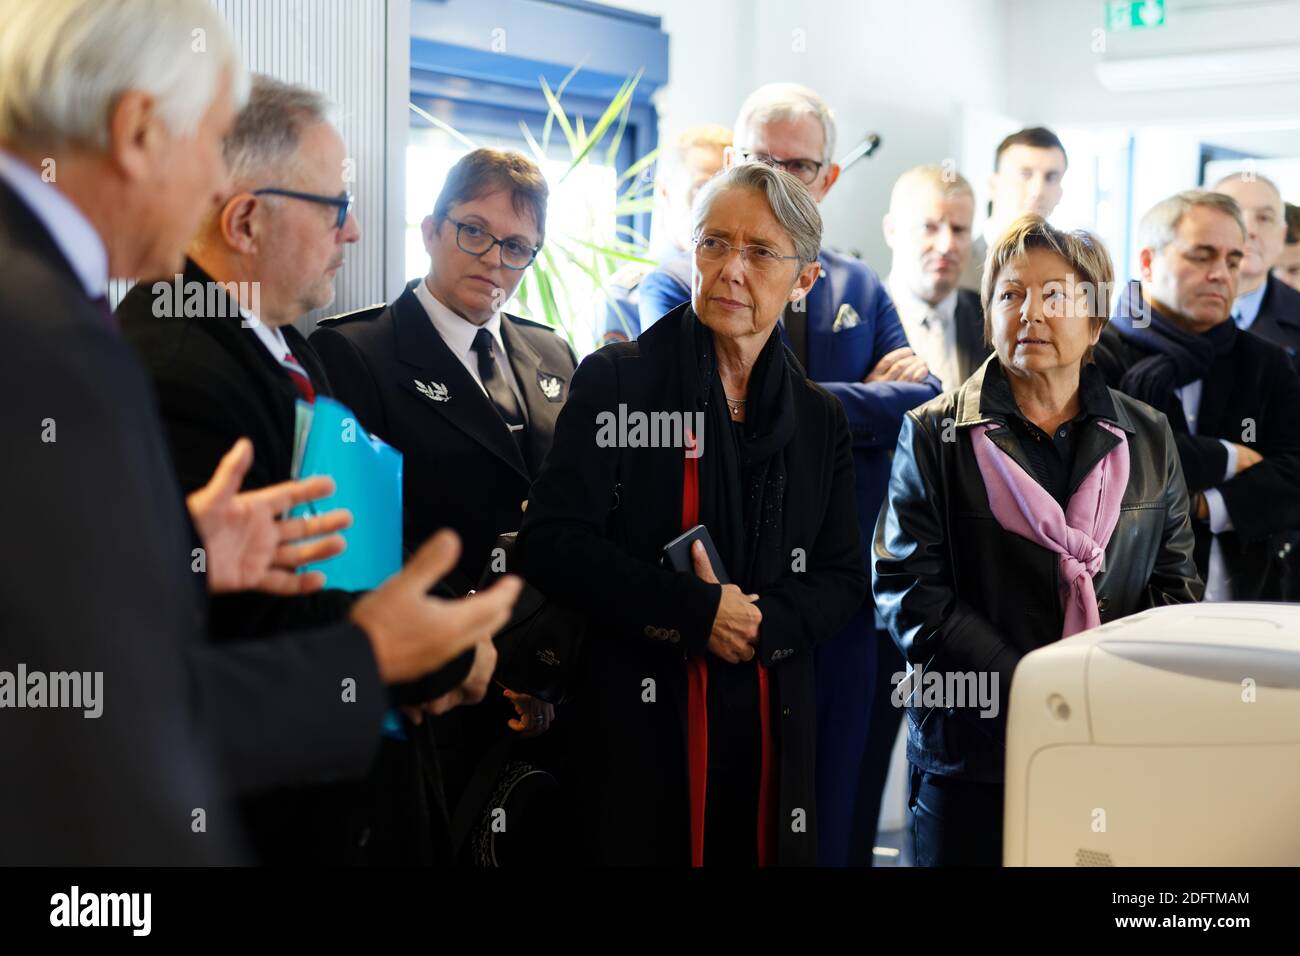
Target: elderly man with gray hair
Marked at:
111, 124
1231, 397
267, 254
1265, 304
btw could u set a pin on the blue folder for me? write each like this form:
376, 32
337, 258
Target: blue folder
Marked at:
367, 476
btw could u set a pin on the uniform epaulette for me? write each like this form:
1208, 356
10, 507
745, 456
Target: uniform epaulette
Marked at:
368, 312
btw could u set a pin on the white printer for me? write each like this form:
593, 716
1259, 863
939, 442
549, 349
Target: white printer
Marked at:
1168, 738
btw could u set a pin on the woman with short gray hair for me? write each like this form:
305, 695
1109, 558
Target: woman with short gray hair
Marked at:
697, 714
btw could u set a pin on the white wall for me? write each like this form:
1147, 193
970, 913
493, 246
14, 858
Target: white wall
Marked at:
1057, 56
356, 52
907, 71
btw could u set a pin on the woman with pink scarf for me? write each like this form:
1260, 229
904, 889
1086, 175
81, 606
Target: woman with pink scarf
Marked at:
1028, 504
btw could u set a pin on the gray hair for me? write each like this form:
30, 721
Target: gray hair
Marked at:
778, 101
266, 134
788, 199
1160, 224
65, 63
1248, 176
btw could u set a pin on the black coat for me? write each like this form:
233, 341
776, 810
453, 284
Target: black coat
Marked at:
99, 578
216, 383
959, 594
593, 534
971, 348
1279, 318
461, 468
1254, 383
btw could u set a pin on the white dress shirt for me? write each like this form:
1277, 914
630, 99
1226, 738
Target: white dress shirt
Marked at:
931, 330
1245, 308
71, 230
1217, 585
459, 333
269, 336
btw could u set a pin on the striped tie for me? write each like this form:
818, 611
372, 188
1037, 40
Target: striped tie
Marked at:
299, 376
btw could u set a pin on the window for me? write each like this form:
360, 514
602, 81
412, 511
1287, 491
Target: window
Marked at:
478, 72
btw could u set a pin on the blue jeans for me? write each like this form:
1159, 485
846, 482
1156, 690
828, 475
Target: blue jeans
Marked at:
955, 822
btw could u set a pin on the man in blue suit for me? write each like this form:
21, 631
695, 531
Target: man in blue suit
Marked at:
851, 342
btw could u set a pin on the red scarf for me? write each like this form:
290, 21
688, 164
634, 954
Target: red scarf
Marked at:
697, 717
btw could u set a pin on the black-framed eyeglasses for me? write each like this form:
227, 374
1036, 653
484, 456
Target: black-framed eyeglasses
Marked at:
342, 202
804, 170
477, 241
757, 258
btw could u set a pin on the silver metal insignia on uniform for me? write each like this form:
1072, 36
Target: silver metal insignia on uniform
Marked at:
845, 318
435, 391
550, 386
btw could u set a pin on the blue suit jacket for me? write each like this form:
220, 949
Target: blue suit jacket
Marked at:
840, 355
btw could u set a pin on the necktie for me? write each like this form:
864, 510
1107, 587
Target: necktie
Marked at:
499, 391
299, 376
102, 305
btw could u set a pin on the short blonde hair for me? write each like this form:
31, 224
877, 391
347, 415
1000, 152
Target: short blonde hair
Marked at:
1085, 253
943, 179
708, 136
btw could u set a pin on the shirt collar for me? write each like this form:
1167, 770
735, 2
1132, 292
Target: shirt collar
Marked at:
66, 224
456, 331
269, 336
1245, 308
917, 309
998, 401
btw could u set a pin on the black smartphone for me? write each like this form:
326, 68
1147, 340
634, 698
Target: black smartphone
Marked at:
677, 553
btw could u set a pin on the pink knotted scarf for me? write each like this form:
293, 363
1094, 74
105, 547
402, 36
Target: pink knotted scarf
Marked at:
1078, 535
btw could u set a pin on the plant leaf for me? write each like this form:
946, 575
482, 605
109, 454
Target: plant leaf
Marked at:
443, 125
533, 145
612, 252
640, 164
558, 112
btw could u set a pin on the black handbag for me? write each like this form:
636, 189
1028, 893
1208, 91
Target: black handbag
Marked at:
537, 650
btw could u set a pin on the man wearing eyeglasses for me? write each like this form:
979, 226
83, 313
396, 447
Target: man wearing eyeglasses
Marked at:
850, 340
226, 362
470, 395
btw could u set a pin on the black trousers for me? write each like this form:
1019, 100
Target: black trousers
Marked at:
955, 822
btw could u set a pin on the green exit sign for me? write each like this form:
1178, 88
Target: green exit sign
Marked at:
1134, 14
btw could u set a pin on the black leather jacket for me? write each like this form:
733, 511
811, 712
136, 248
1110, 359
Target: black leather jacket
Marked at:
959, 594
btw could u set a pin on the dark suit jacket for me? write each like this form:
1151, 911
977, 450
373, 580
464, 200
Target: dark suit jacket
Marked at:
1253, 384
592, 539
216, 383
101, 550
971, 350
1279, 318
461, 468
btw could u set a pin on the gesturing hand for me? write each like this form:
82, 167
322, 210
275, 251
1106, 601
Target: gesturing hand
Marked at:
735, 626
900, 365
470, 691
246, 547
412, 633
